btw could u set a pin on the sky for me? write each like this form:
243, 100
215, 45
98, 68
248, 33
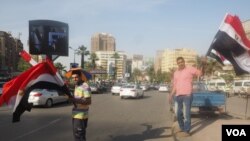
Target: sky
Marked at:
139, 26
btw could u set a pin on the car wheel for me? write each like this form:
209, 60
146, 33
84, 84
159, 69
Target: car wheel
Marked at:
49, 103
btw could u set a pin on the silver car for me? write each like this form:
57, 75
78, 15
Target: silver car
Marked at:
46, 97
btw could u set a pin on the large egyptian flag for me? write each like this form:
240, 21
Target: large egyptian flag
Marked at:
230, 43
16, 91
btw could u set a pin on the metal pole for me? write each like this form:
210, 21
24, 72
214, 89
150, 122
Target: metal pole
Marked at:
246, 107
74, 57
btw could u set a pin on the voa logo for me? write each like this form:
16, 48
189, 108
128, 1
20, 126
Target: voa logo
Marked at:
236, 132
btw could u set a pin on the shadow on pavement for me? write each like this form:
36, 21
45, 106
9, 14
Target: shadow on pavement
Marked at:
203, 120
199, 122
148, 133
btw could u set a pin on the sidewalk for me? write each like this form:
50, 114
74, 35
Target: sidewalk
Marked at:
209, 128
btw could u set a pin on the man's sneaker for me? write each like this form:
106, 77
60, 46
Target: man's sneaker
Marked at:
183, 134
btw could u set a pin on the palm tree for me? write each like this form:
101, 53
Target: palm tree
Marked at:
60, 67
136, 74
82, 50
115, 56
212, 66
93, 58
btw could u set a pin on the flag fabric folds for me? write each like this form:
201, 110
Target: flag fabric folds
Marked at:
16, 91
232, 44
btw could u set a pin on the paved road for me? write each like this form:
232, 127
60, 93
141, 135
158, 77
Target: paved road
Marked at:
111, 119
114, 119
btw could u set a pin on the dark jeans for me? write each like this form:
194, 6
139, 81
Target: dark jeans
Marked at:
79, 129
184, 111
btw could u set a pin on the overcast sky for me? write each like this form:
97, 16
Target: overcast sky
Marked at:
139, 26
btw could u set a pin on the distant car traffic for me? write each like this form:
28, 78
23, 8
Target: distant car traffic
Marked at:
163, 88
131, 91
46, 97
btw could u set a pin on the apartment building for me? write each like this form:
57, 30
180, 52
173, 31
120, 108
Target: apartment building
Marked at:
108, 62
169, 56
102, 42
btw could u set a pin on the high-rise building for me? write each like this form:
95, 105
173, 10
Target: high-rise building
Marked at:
102, 42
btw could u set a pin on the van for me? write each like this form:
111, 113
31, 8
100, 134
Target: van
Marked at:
217, 84
241, 86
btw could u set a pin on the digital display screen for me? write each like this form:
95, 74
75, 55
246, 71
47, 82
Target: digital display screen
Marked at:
48, 37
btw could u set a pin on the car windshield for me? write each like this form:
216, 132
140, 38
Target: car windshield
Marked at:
199, 87
117, 84
129, 86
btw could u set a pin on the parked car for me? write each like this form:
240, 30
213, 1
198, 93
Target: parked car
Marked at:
46, 97
132, 90
217, 84
1, 87
95, 88
240, 87
115, 89
144, 87
163, 88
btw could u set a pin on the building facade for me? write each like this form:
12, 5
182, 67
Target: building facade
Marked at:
9, 52
168, 61
246, 26
109, 63
157, 61
102, 42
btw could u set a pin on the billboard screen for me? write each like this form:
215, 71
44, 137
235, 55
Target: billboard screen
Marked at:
48, 37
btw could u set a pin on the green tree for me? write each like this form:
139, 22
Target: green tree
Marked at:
136, 74
151, 73
60, 67
82, 50
115, 56
212, 66
93, 58
23, 65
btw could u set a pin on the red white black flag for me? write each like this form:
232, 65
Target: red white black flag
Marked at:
232, 44
16, 91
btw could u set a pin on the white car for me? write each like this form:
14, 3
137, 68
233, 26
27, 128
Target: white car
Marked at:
1, 87
163, 88
144, 87
133, 91
115, 89
46, 97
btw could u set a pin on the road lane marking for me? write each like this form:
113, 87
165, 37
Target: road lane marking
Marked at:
36, 130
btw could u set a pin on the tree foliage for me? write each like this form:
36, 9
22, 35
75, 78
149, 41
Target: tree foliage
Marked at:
23, 65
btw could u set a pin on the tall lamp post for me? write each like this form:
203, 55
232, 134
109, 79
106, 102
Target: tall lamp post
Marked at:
75, 51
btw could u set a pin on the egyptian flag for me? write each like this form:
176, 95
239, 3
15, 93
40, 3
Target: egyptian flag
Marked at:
230, 43
16, 92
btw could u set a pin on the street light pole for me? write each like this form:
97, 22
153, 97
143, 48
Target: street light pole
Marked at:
74, 54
